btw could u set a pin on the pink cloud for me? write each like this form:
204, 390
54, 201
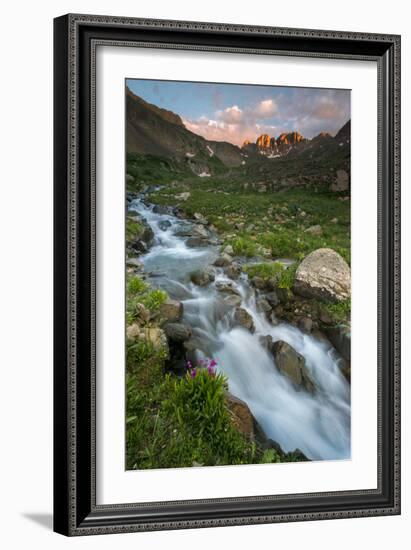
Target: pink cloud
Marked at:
265, 109
231, 115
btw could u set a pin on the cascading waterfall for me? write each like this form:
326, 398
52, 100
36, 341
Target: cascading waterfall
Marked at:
318, 424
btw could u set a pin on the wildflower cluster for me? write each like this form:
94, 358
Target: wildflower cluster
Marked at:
208, 365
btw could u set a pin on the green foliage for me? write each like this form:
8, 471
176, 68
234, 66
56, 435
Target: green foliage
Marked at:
140, 292
243, 246
287, 277
268, 270
154, 299
151, 169
136, 286
338, 312
182, 422
270, 456
133, 229
145, 361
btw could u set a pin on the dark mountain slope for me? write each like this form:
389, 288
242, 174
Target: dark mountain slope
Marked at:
323, 161
155, 131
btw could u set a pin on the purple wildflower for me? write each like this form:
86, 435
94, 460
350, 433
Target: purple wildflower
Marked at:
193, 373
189, 365
212, 363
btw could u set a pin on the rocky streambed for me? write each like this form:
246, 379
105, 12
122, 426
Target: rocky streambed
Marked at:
283, 373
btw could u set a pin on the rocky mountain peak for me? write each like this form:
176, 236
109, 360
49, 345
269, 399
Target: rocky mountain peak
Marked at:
263, 141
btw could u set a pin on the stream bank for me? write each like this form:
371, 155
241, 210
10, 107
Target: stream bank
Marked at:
289, 377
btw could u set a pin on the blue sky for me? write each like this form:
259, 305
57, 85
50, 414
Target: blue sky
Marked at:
235, 112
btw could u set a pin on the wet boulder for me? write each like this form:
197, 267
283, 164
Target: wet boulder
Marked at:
184, 232
290, 363
340, 337
203, 277
161, 209
223, 260
272, 298
263, 306
171, 310
139, 247
257, 282
177, 332
233, 270
228, 250
305, 324
200, 218
196, 242
147, 236
242, 318
241, 415
164, 224
200, 231
232, 300
266, 342
323, 274
227, 287
195, 343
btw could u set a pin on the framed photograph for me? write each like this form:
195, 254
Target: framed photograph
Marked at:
227, 278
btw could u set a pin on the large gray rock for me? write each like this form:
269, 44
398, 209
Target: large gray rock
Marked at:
290, 363
323, 274
232, 300
263, 305
200, 231
196, 242
223, 260
171, 310
161, 209
204, 277
342, 182
227, 287
200, 218
272, 298
243, 319
177, 332
233, 271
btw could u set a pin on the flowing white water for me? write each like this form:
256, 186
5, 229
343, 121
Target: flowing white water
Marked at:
317, 424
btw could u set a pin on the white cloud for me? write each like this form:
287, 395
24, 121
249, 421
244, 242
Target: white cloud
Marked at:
230, 115
265, 109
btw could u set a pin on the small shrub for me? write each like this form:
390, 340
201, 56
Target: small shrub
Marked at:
264, 270
140, 292
270, 456
133, 230
153, 299
287, 277
243, 246
136, 286
338, 312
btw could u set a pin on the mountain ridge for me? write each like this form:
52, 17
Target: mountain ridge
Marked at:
158, 132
